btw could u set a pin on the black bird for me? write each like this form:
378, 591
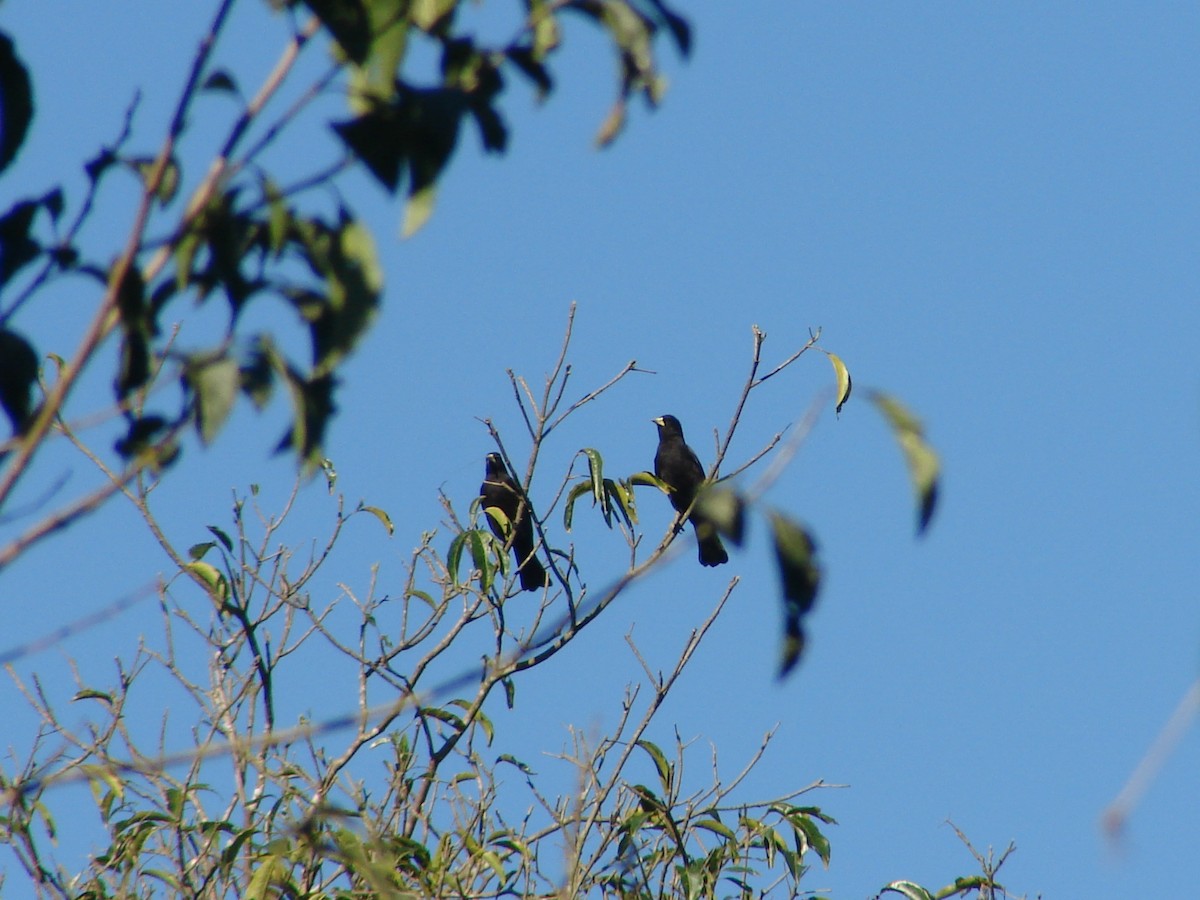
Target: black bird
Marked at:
499, 490
677, 464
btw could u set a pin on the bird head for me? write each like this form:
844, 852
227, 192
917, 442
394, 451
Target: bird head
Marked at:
668, 425
495, 464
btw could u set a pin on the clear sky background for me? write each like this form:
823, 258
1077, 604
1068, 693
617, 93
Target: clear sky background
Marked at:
991, 211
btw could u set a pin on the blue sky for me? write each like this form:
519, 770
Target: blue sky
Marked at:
989, 209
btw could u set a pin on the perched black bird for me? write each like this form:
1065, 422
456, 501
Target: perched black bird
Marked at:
677, 464
499, 490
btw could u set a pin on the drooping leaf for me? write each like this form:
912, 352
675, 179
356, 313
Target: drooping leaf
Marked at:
661, 765
680, 30
381, 516
612, 125
544, 27
312, 408
91, 694
220, 535
418, 209
258, 373
374, 139
212, 579
795, 551
527, 61
214, 382
348, 22
16, 102
17, 248
583, 487
433, 16
924, 468
795, 554
497, 515
374, 80
168, 183
726, 509
909, 889
18, 376
625, 504
474, 541
649, 479
844, 385
198, 551
354, 284
595, 472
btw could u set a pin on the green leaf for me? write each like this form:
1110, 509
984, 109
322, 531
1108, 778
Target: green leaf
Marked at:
197, 551
443, 715
513, 761
432, 16
497, 515
279, 217
528, 63
418, 209
812, 837
844, 385
17, 248
90, 694
221, 536
312, 408
795, 554
596, 474
473, 540
212, 579
716, 827
649, 479
665, 772
970, 883
583, 487
265, 883
484, 723
348, 22
16, 101
479, 554
626, 504
680, 30
795, 551
924, 468
215, 382
168, 183
375, 79
909, 889
381, 516
258, 373
726, 509
344, 255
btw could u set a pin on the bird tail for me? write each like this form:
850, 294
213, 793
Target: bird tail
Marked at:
533, 576
712, 551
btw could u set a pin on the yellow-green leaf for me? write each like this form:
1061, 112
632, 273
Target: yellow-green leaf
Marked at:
583, 487
211, 578
844, 384
924, 467
418, 209
382, 517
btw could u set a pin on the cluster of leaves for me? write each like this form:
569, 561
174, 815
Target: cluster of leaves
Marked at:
241, 235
